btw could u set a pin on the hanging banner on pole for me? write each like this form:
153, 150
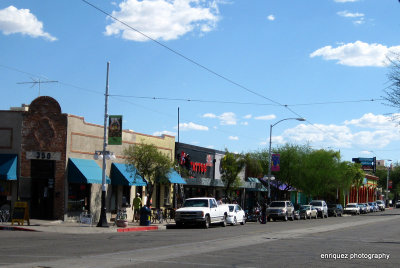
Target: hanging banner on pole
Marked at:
275, 162
115, 130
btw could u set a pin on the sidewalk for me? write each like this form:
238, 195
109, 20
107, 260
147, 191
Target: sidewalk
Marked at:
78, 228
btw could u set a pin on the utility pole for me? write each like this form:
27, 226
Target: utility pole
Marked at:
103, 218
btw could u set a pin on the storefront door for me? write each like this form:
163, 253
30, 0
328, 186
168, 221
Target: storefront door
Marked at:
42, 189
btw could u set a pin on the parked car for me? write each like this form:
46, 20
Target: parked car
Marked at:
201, 210
352, 208
321, 207
397, 204
308, 212
369, 208
280, 210
381, 205
374, 206
363, 208
235, 214
296, 211
335, 210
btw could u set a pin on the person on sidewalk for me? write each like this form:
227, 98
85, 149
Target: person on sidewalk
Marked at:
137, 203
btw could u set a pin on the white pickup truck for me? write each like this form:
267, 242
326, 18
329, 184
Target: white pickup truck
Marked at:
201, 210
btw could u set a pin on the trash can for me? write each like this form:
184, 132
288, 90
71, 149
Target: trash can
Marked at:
145, 213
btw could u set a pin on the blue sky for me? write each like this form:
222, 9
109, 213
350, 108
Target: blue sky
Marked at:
251, 64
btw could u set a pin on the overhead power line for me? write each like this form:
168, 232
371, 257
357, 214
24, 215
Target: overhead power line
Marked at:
244, 103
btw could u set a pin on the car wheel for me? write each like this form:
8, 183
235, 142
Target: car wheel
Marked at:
223, 223
179, 224
335, 214
292, 217
286, 217
273, 219
234, 221
243, 221
207, 222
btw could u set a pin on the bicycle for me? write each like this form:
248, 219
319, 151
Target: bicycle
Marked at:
4, 215
121, 215
157, 215
169, 215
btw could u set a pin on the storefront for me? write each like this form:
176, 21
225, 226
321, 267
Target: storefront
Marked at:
203, 175
8, 179
53, 166
367, 192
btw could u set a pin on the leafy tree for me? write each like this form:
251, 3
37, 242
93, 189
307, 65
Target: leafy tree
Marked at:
152, 164
231, 165
291, 161
320, 173
351, 174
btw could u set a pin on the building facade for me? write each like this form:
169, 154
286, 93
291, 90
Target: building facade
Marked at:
202, 174
55, 170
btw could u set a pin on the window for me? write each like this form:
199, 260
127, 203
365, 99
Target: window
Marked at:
166, 195
78, 197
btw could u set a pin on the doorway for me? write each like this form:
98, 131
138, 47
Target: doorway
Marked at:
42, 189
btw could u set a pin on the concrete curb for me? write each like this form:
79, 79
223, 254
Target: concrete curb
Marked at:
16, 228
57, 227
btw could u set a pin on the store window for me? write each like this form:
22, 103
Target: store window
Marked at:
78, 197
167, 196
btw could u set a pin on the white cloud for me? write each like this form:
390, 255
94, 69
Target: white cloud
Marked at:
357, 54
227, 118
192, 126
271, 17
245, 123
164, 132
265, 117
348, 14
163, 19
13, 20
380, 132
365, 153
374, 121
209, 115
234, 138
248, 116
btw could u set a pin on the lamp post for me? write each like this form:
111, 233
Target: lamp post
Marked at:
387, 184
269, 153
103, 219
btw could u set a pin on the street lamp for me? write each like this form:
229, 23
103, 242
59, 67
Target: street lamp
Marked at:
103, 217
387, 184
269, 152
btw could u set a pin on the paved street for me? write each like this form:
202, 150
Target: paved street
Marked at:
298, 243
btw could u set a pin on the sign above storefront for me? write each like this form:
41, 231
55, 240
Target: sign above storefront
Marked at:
43, 155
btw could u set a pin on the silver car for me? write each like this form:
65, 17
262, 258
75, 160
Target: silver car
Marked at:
321, 207
280, 210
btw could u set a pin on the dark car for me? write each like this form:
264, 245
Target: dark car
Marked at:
335, 210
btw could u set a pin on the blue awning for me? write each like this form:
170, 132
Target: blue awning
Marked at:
250, 179
85, 171
174, 177
8, 167
121, 176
